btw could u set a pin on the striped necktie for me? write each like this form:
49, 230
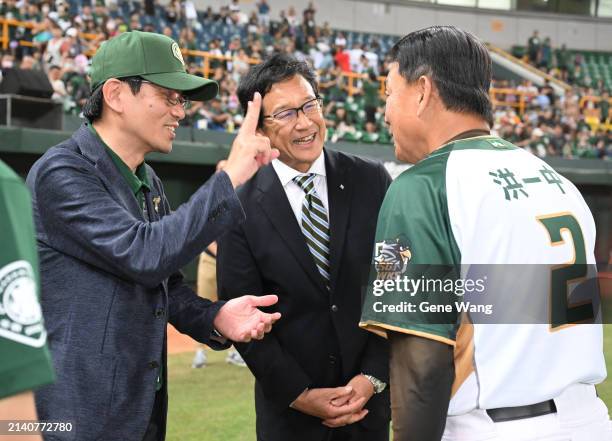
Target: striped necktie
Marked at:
315, 225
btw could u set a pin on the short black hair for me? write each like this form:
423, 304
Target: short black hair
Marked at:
92, 110
275, 69
458, 63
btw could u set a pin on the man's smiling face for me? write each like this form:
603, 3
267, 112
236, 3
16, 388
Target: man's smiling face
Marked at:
300, 141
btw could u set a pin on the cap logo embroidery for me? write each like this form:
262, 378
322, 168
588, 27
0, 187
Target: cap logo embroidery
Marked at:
177, 53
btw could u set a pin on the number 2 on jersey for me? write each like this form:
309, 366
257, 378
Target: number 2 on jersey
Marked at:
561, 312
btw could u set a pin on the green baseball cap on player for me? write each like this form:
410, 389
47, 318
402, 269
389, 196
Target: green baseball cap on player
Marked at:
154, 57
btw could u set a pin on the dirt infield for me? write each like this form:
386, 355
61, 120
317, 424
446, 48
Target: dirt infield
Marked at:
178, 342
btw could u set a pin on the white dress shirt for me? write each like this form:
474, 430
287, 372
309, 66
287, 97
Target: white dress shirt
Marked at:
294, 192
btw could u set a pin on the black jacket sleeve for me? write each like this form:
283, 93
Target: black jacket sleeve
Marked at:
237, 275
376, 355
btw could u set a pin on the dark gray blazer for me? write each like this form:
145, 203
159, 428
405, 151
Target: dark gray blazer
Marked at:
110, 283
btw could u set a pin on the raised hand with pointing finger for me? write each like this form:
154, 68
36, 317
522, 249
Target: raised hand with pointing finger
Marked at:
250, 149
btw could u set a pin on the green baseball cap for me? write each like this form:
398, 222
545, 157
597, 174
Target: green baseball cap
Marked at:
154, 57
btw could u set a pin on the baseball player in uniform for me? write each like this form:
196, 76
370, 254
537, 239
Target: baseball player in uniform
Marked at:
25, 363
473, 198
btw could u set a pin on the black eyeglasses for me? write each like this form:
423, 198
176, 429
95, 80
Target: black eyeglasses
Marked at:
309, 108
168, 94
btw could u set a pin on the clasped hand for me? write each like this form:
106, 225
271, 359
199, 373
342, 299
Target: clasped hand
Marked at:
337, 406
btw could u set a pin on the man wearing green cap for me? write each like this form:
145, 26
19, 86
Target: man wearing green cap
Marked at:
111, 249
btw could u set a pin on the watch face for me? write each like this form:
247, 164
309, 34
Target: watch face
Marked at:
378, 385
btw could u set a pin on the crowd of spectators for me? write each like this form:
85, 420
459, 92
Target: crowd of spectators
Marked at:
567, 65
553, 125
65, 34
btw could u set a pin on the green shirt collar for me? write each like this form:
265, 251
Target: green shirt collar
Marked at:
135, 180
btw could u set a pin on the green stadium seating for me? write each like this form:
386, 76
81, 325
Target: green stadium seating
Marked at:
356, 136
384, 138
370, 138
596, 66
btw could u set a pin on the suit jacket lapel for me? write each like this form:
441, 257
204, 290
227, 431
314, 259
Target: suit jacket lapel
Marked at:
339, 196
91, 148
274, 203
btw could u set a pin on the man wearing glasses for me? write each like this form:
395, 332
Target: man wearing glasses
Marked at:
312, 216
111, 249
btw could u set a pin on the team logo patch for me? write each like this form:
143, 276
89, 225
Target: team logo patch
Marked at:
20, 313
176, 51
391, 258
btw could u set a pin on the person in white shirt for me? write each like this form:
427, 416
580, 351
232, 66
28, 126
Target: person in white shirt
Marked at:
311, 230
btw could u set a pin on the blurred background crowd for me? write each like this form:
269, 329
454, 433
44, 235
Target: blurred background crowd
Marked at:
62, 35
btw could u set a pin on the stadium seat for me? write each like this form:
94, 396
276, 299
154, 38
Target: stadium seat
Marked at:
352, 136
370, 138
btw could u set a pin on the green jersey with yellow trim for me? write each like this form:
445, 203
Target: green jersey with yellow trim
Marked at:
24, 362
484, 206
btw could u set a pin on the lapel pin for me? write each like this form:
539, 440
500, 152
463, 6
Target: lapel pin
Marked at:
156, 201
341, 186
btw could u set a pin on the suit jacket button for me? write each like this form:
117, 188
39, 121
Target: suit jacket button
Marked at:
153, 365
159, 312
334, 308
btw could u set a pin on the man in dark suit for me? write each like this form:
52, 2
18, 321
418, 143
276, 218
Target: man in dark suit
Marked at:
312, 216
110, 248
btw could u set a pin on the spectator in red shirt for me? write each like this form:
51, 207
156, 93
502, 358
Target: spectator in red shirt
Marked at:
342, 59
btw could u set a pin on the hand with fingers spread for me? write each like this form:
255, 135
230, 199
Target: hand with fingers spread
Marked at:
240, 319
362, 392
250, 150
318, 403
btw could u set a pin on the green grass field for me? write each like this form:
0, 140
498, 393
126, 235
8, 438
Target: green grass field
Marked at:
216, 403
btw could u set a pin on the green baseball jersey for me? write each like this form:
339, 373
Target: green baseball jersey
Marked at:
24, 362
480, 246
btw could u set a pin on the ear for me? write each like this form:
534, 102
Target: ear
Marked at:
112, 91
424, 90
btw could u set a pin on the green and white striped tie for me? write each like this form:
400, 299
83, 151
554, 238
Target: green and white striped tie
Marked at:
315, 225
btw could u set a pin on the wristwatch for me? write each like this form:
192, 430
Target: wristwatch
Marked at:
218, 337
379, 386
